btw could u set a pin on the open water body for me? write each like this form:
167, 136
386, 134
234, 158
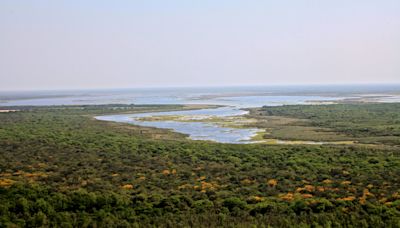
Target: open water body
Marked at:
195, 130
234, 99
211, 131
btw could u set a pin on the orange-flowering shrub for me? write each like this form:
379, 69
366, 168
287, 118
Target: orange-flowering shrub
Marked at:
345, 182
6, 182
306, 196
246, 181
349, 198
201, 178
288, 197
127, 186
327, 181
308, 188
36, 175
272, 183
256, 198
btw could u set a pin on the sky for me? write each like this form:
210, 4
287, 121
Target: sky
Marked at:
75, 44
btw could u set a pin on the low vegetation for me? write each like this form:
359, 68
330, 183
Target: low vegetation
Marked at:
365, 123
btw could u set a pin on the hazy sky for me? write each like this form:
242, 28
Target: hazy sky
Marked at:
101, 44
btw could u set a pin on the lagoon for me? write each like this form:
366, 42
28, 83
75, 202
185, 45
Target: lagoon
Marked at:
189, 123
234, 100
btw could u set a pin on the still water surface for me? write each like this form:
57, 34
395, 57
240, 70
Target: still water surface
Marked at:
212, 131
233, 98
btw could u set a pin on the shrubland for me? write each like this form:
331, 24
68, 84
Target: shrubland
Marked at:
61, 167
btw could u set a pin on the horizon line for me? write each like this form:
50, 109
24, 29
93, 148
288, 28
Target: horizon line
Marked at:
202, 86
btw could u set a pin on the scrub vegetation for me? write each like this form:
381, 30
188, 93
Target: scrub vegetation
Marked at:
61, 167
362, 123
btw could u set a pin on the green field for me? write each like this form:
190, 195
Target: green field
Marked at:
59, 167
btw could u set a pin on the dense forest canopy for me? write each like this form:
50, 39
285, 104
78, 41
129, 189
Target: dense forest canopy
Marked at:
61, 167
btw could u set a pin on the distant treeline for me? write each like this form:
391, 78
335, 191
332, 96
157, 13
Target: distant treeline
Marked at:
369, 123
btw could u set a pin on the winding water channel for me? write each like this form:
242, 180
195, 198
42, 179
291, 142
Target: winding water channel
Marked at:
199, 124
203, 130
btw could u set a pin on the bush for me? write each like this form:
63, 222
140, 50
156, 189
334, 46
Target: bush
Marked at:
234, 202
